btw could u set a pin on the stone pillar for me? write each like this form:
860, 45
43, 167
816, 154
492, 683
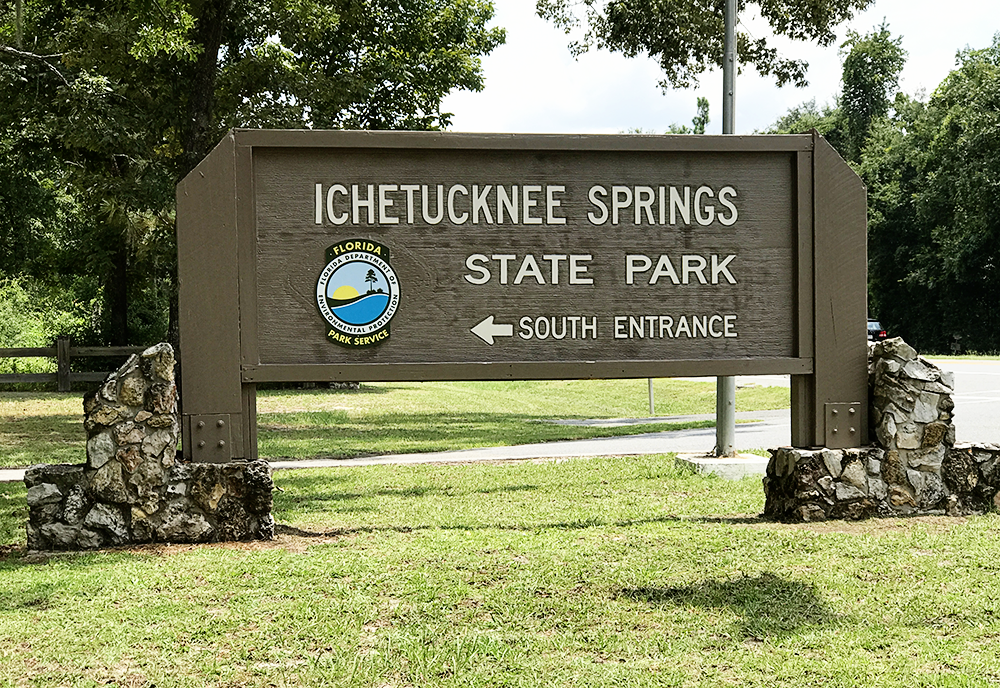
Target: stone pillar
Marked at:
915, 467
911, 416
132, 488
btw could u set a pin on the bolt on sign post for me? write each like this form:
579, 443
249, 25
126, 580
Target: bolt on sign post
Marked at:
314, 256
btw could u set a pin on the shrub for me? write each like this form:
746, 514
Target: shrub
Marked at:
33, 316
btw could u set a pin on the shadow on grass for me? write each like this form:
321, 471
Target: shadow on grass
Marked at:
507, 489
323, 435
768, 604
345, 492
38, 596
305, 506
326, 487
322, 494
728, 520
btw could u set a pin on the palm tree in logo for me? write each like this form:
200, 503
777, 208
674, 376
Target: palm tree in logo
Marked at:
371, 279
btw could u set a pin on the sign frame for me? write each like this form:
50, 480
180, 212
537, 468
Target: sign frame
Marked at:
217, 273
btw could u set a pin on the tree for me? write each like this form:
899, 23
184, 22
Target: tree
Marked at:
33, 211
40, 232
698, 122
702, 119
870, 77
933, 172
686, 36
829, 122
127, 96
872, 64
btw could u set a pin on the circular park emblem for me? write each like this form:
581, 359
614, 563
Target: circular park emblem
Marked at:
357, 293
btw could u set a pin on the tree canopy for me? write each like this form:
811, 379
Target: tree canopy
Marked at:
933, 172
110, 103
870, 77
686, 36
872, 64
698, 122
932, 169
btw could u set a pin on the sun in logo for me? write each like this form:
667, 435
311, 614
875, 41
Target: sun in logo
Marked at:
345, 292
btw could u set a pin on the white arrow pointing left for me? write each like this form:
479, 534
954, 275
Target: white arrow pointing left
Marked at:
487, 330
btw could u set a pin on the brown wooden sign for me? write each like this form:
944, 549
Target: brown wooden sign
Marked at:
322, 256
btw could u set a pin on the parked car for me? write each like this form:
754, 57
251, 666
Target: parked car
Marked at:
876, 333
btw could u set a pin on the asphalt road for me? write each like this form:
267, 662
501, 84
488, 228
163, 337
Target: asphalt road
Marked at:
977, 396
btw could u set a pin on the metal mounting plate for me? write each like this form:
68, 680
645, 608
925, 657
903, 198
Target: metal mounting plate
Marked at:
211, 438
843, 424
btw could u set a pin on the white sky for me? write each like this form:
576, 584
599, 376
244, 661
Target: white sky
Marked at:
534, 85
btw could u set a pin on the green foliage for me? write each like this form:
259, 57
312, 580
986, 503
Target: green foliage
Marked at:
933, 173
829, 122
106, 107
686, 36
702, 119
19, 322
698, 123
357, 65
33, 316
34, 211
872, 64
870, 77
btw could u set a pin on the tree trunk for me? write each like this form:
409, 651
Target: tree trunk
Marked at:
199, 90
116, 294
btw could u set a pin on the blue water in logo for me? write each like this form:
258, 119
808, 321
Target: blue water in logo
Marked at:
362, 310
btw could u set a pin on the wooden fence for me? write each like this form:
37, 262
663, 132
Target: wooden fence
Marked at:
63, 353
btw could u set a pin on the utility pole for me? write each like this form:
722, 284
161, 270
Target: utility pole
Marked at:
725, 387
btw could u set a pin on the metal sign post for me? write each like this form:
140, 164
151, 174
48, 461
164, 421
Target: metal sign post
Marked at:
725, 392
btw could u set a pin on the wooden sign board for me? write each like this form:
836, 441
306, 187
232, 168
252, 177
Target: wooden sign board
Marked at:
362, 256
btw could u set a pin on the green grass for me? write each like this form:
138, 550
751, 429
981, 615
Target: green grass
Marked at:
604, 572
322, 434
420, 417
41, 427
392, 418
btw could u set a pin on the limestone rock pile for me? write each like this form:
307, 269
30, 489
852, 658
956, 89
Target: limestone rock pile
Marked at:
820, 484
911, 405
915, 467
132, 428
132, 488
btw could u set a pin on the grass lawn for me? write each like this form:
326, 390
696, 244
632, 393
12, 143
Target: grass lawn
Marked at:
385, 418
602, 572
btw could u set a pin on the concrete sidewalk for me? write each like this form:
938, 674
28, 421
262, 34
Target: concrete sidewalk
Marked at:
760, 429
